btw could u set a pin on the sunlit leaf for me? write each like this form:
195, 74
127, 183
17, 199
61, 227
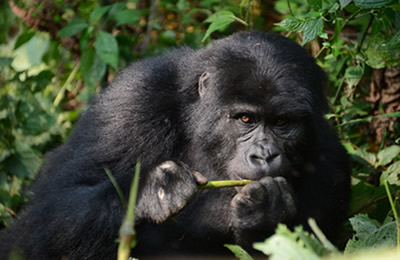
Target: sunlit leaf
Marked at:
344, 3
291, 24
23, 38
388, 154
239, 252
391, 174
219, 21
371, 234
311, 29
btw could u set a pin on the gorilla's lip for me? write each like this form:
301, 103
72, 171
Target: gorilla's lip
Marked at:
257, 176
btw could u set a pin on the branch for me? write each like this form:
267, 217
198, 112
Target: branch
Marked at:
223, 184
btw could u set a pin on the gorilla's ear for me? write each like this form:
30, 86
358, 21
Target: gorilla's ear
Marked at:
202, 83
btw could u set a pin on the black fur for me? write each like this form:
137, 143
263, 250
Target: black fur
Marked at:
182, 112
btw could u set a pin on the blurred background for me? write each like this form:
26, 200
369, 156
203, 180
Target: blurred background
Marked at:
56, 54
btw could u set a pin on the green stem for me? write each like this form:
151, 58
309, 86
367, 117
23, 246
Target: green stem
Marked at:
371, 19
223, 184
116, 186
321, 236
396, 216
60, 94
240, 21
127, 232
290, 8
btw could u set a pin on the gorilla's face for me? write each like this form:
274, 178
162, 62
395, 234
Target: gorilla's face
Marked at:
263, 124
261, 142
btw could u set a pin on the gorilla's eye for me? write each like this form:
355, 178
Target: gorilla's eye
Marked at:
280, 122
246, 118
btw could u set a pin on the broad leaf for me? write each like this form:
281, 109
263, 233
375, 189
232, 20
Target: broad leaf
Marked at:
344, 3
369, 4
107, 49
315, 4
291, 24
25, 163
219, 21
239, 252
280, 247
23, 38
285, 244
92, 67
391, 174
371, 234
75, 26
128, 16
97, 13
353, 74
311, 29
388, 154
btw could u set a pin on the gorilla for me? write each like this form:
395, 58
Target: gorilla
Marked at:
250, 106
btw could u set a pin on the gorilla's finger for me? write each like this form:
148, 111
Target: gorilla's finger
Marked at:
200, 178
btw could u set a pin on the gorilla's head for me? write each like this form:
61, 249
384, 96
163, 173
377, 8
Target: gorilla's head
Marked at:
259, 100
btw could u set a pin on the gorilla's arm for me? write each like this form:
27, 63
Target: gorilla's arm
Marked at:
136, 117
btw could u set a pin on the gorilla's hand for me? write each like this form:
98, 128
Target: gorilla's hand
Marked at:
172, 186
261, 205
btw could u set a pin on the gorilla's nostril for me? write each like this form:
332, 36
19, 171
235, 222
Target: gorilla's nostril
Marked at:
271, 157
263, 158
256, 157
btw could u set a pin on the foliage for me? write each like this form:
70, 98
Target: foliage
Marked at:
299, 244
55, 55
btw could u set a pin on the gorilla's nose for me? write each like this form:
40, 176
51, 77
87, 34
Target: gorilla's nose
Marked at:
262, 155
258, 159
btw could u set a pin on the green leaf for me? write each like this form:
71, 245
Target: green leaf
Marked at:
371, 234
370, 4
31, 53
311, 242
75, 26
239, 252
291, 24
107, 49
128, 16
97, 13
353, 74
25, 163
311, 29
40, 81
5, 61
23, 38
395, 41
92, 67
369, 157
386, 155
315, 4
219, 21
285, 244
280, 247
344, 3
392, 174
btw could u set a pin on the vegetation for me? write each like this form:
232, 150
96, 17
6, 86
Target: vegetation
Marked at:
55, 55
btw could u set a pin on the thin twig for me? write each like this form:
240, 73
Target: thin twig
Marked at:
127, 233
371, 19
116, 186
149, 28
223, 184
396, 216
